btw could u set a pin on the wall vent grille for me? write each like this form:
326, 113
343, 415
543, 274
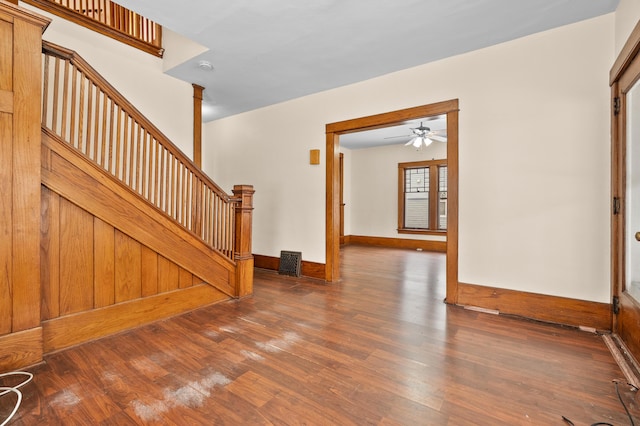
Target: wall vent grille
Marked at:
290, 263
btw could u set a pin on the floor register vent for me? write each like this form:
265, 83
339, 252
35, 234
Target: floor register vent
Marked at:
290, 263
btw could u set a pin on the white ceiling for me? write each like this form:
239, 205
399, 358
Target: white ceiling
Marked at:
269, 51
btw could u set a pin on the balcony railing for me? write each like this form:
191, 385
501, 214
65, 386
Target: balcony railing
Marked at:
110, 19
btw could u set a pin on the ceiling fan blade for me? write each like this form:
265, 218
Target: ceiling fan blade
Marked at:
438, 138
395, 137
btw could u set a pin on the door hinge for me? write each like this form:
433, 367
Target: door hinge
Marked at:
616, 105
616, 305
616, 205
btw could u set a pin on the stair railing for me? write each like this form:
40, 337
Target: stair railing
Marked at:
110, 19
84, 110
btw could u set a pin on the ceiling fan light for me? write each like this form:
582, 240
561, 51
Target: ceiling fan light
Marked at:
417, 142
427, 141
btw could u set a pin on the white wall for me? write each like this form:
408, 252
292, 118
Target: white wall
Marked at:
627, 15
290, 200
534, 164
178, 49
372, 205
347, 194
534, 158
166, 101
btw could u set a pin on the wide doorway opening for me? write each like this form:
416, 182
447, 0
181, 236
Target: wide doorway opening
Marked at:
418, 138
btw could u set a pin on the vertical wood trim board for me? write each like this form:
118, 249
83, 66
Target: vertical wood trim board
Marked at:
104, 276
128, 267
149, 272
76, 259
6, 226
168, 274
185, 279
6, 61
50, 254
25, 203
20, 278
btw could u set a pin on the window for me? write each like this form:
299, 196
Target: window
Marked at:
422, 197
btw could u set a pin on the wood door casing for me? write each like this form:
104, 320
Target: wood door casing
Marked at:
332, 218
624, 74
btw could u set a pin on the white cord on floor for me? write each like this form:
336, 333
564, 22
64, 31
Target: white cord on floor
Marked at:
4, 390
18, 401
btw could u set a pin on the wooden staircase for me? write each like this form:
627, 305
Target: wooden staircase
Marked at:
129, 230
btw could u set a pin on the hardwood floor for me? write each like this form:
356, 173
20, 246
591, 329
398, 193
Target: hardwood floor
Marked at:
379, 348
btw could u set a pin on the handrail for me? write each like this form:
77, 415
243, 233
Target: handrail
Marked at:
110, 19
81, 107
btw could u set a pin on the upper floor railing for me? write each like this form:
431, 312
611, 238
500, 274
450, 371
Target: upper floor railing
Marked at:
84, 110
110, 19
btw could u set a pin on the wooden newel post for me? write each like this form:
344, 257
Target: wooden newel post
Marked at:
197, 124
243, 255
21, 341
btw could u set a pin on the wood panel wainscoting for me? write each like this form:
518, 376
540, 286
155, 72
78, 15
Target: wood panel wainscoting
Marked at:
110, 261
65, 173
541, 307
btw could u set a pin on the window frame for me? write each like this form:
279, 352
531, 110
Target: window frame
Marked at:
434, 166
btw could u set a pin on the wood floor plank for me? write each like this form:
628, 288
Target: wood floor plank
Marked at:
255, 389
378, 348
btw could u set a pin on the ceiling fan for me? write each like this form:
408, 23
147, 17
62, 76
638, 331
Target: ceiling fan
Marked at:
423, 136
